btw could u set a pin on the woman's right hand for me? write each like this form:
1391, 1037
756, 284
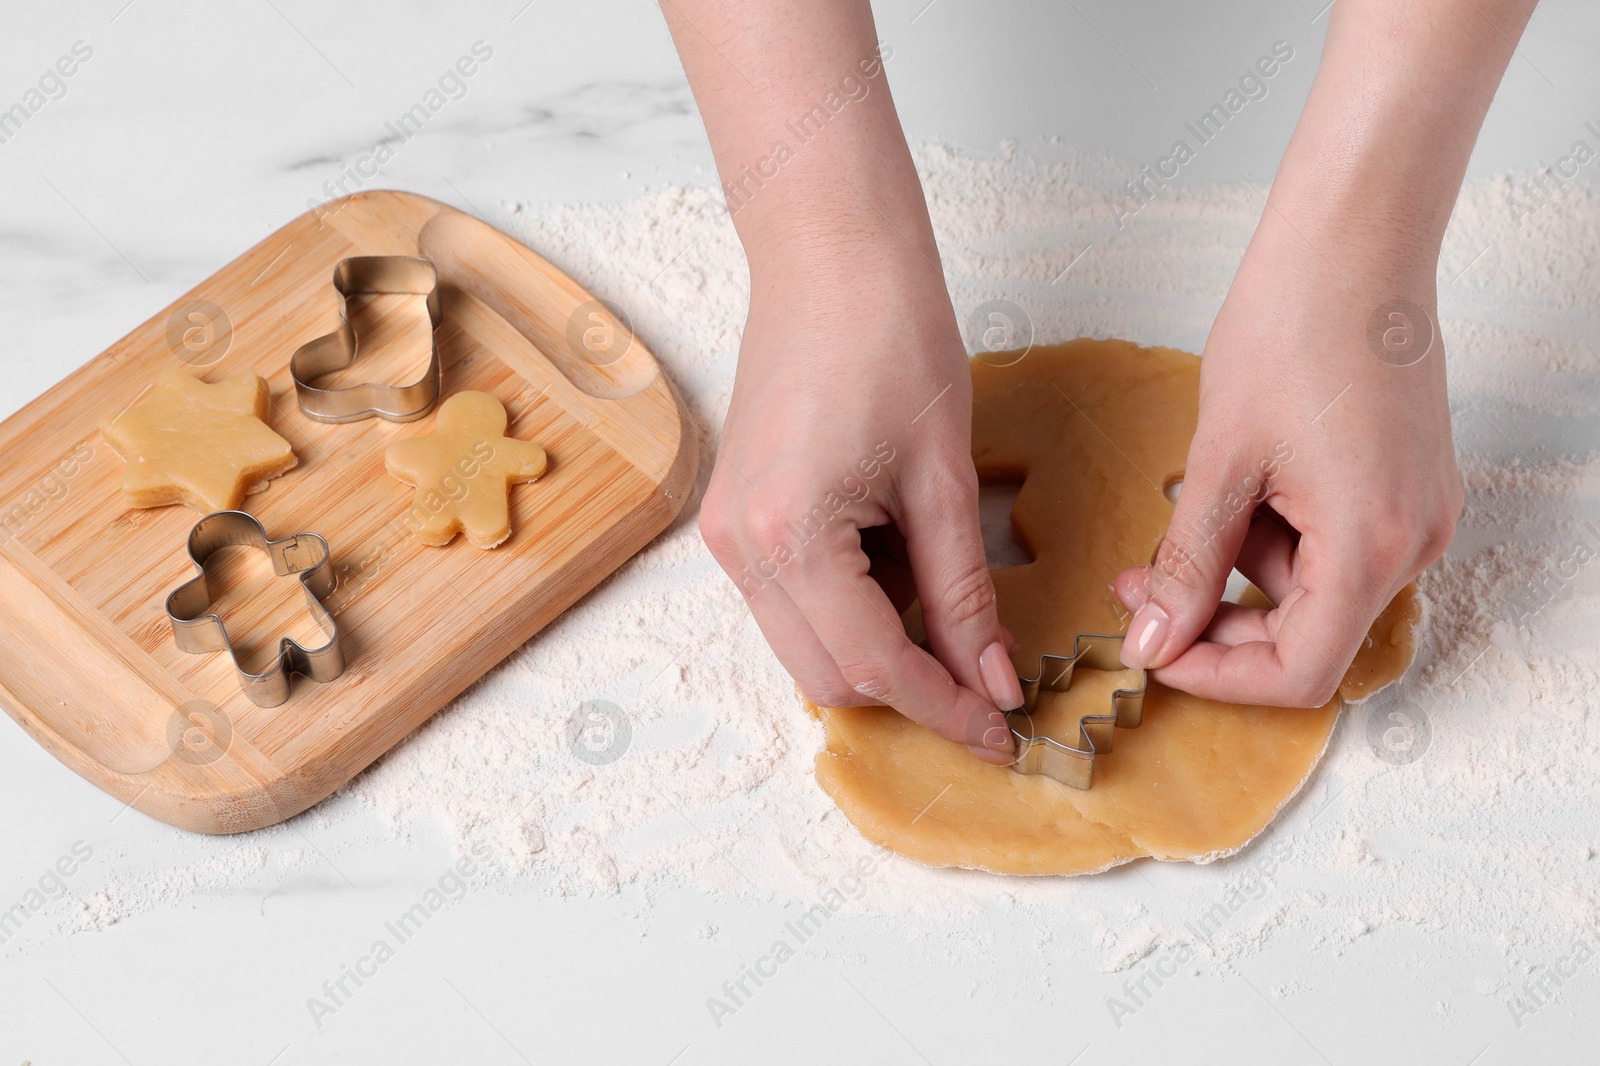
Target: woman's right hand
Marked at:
852, 409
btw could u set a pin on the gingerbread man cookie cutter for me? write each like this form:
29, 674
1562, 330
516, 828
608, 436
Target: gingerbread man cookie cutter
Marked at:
402, 274
1074, 765
197, 629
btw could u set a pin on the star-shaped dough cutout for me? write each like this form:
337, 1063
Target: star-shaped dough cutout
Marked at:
205, 445
463, 472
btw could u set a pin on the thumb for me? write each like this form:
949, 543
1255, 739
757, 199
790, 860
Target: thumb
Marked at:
1174, 598
945, 546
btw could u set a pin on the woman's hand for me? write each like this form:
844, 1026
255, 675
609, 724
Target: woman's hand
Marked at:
852, 368
851, 418
1322, 392
1346, 447
852, 409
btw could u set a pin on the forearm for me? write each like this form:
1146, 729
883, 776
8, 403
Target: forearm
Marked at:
796, 103
1382, 146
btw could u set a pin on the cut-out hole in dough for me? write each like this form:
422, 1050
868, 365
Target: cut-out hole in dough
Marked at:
1000, 544
1172, 488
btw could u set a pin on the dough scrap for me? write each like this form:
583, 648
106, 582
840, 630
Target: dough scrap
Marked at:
463, 471
204, 445
1095, 429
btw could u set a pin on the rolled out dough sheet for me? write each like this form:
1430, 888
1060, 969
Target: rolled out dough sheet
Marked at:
1093, 430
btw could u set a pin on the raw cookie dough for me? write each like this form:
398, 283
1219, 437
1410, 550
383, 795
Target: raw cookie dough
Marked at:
1391, 640
198, 444
463, 471
1096, 428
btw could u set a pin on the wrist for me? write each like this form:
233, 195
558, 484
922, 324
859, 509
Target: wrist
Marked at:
1362, 231
1377, 159
844, 248
833, 213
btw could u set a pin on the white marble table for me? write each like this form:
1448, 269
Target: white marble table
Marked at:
195, 128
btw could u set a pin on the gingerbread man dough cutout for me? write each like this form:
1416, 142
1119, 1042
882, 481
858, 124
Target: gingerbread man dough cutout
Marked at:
463, 472
205, 445
1095, 430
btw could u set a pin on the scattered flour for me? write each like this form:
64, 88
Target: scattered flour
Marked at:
1487, 837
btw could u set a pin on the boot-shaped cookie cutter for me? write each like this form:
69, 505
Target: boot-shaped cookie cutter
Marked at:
199, 630
1074, 766
337, 350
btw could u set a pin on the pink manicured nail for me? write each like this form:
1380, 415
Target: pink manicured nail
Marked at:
1000, 678
1145, 636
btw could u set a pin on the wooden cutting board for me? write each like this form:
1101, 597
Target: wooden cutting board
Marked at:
87, 662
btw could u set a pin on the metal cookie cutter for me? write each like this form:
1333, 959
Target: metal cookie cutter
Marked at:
1074, 766
197, 629
337, 350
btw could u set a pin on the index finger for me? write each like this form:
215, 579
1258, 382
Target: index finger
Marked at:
859, 628
1316, 631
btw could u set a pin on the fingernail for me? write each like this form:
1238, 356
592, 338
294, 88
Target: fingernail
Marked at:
1145, 636
1000, 678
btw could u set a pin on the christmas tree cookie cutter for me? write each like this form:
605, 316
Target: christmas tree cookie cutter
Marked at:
1072, 764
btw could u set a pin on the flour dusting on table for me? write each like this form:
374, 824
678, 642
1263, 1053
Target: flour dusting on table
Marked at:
707, 783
